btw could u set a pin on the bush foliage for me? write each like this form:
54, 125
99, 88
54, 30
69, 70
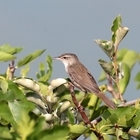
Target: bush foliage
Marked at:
41, 110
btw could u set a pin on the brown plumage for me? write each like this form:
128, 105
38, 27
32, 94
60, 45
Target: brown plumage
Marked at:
81, 77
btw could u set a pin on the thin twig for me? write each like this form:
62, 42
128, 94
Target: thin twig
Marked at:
11, 70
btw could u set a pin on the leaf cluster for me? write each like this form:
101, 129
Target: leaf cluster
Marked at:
38, 109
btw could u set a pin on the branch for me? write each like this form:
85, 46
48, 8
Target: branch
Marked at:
10, 71
82, 113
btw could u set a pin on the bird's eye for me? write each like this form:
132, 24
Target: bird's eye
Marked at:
64, 57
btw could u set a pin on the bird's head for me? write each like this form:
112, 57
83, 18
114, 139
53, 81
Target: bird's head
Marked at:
67, 59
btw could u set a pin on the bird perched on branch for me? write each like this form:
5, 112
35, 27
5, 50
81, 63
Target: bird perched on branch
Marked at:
81, 77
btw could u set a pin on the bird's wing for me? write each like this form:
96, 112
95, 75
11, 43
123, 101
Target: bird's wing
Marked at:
79, 74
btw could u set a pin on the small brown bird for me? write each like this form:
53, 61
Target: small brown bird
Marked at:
81, 77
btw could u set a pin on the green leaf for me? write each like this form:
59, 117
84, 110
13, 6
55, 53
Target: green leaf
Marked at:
119, 133
107, 47
6, 56
43, 89
13, 89
25, 125
42, 69
118, 32
130, 58
5, 112
137, 79
4, 85
19, 108
116, 24
102, 76
137, 119
107, 67
57, 132
44, 75
5, 133
11, 50
49, 71
125, 80
25, 70
28, 83
123, 116
30, 58
77, 129
25, 60
93, 137
121, 53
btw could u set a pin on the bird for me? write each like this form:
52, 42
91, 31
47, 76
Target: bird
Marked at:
81, 78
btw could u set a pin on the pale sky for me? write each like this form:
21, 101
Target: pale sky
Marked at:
68, 26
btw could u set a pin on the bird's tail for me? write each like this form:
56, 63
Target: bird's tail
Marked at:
106, 100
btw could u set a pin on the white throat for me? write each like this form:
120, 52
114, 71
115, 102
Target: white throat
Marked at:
66, 65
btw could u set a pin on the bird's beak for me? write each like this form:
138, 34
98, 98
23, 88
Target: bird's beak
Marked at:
56, 58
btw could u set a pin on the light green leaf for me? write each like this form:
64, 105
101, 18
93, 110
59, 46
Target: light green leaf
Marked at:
25, 70
25, 125
30, 58
11, 50
49, 71
5, 133
77, 129
130, 58
25, 60
137, 79
4, 85
93, 137
102, 76
43, 88
121, 53
125, 80
6, 56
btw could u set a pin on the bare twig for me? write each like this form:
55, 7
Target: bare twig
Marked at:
11, 70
